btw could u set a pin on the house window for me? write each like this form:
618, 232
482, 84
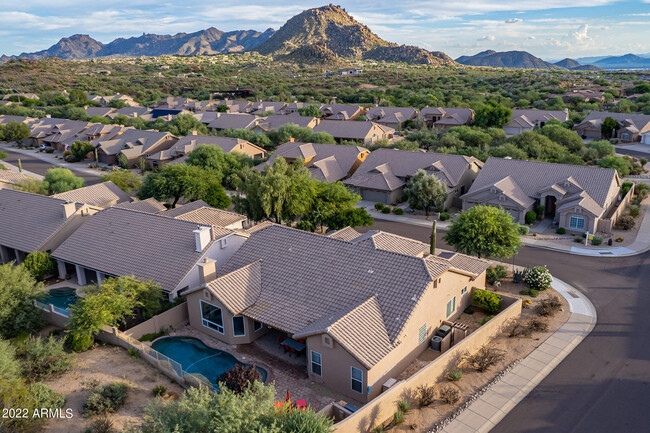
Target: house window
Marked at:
422, 334
211, 317
462, 292
316, 363
257, 325
577, 222
238, 327
451, 306
356, 376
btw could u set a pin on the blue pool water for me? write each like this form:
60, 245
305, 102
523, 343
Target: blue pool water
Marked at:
63, 297
196, 357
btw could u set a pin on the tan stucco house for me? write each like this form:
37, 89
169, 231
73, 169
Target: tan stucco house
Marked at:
443, 118
366, 133
527, 120
631, 126
99, 196
133, 144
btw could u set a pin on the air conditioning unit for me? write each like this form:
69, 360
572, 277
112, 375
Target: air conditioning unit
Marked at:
388, 384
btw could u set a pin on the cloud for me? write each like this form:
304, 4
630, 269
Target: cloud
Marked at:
486, 38
532, 37
513, 20
581, 35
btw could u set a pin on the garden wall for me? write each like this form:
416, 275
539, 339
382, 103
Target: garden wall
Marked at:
174, 317
607, 224
384, 406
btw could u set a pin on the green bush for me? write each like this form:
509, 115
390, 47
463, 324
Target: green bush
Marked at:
398, 211
105, 399
40, 264
530, 292
379, 206
625, 188
523, 230
619, 239
386, 209
539, 278
455, 375
495, 273
540, 211
577, 240
634, 210
42, 357
151, 337
531, 217
44, 397
449, 395
444, 216
426, 395
404, 406
398, 417
597, 240
159, 390
642, 190
626, 222
560, 231
490, 302
79, 342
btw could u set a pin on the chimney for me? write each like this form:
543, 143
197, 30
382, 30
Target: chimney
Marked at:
69, 208
202, 237
291, 139
194, 132
135, 114
207, 271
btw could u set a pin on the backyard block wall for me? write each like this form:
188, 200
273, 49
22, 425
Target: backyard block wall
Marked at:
607, 224
384, 406
174, 317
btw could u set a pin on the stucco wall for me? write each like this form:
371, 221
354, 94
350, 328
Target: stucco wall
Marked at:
175, 317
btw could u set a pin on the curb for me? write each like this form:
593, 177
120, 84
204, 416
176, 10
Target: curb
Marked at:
489, 409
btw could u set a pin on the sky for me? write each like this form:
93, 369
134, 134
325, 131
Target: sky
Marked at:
550, 29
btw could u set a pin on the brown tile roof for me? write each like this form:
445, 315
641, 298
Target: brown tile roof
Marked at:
233, 121
132, 141
180, 210
28, 220
352, 130
275, 121
532, 117
96, 195
150, 205
228, 287
212, 217
12, 177
345, 234
391, 242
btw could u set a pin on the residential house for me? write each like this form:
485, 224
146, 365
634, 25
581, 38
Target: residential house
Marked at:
350, 71
205, 117
342, 112
99, 196
235, 106
62, 135
199, 212
445, 118
365, 308
145, 245
631, 126
527, 120
293, 107
262, 107
275, 121
8, 96
178, 152
584, 95
233, 121
173, 103
99, 111
133, 144
383, 175
12, 179
392, 117
326, 162
129, 112
33, 222
366, 133
576, 197
150, 205
105, 100
4, 119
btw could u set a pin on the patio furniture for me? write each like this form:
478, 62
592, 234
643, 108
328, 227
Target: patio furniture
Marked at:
294, 346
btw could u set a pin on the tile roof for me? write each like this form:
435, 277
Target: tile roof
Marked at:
391, 242
29, 220
529, 118
190, 142
96, 195
180, 210
121, 242
131, 141
275, 121
638, 120
345, 234
353, 130
228, 287
211, 216
150, 205
391, 114
233, 121
12, 177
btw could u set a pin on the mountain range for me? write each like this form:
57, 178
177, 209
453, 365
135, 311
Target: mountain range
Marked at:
326, 34
523, 59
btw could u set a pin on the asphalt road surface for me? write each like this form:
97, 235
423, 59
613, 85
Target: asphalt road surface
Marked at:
603, 386
41, 167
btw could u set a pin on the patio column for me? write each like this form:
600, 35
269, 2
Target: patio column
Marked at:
4, 255
100, 277
62, 271
19, 256
81, 276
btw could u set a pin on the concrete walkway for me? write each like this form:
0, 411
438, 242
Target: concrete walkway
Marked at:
490, 408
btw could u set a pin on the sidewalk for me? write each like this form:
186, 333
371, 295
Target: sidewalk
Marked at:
49, 158
491, 407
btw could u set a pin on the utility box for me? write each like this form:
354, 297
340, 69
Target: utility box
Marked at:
436, 343
388, 384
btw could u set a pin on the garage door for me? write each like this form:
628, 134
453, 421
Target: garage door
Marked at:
374, 196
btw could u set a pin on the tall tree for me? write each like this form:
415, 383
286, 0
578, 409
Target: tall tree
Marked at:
492, 114
125, 180
16, 131
18, 290
425, 190
484, 231
58, 180
330, 199
609, 127
78, 97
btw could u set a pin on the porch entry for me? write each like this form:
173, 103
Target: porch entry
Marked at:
549, 206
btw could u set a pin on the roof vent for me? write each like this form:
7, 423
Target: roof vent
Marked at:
414, 299
370, 271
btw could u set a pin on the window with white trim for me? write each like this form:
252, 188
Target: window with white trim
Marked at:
316, 363
451, 306
576, 222
238, 326
211, 316
422, 333
356, 379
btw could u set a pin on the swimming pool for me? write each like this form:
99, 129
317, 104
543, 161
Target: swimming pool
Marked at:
196, 357
63, 297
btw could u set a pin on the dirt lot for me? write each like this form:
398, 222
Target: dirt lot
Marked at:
106, 364
423, 419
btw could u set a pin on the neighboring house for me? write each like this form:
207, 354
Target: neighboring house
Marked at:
383, 175
98, 196
117, 242
366, 133
527, 120
4, 119
178, 152
326, 162
233, 121
104, 100
350, 71
576, 197
445, 118
150, 205
100, 111
645, 137
22, 95
174, 102
261, 107
205, 117
582, 95
293, 107
631, 126
275, 121
199, 212
33, 222
64, 134
98, 130
364, 309
342, 112
129, 112
133, 144
392, 117
11, 179
42, 128
235, 106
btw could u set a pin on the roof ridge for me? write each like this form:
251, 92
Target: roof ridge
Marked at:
122, 209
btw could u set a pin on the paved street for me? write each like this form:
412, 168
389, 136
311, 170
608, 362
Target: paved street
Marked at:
603, 386
38, 166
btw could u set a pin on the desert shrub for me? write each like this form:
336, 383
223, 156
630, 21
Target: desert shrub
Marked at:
533, 293
426, 394
133, 352
486, 357
78, 342
444, 216
44, 397
531, 217
42, 357
151, 337
379, 206
548, 307
485, 320
523, 230
597, 240
538, 278
398, 417
398, 211
240, 377
455, 375
495, 273
520, 330
159, 390
404, 406
196, 380
626, 222
385, 209
634, 210
577, 240
536, 324
90, 384
625, 188
619, 239
449, 395
490, 302
101, 425
642, 190
105, 399
560, 231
